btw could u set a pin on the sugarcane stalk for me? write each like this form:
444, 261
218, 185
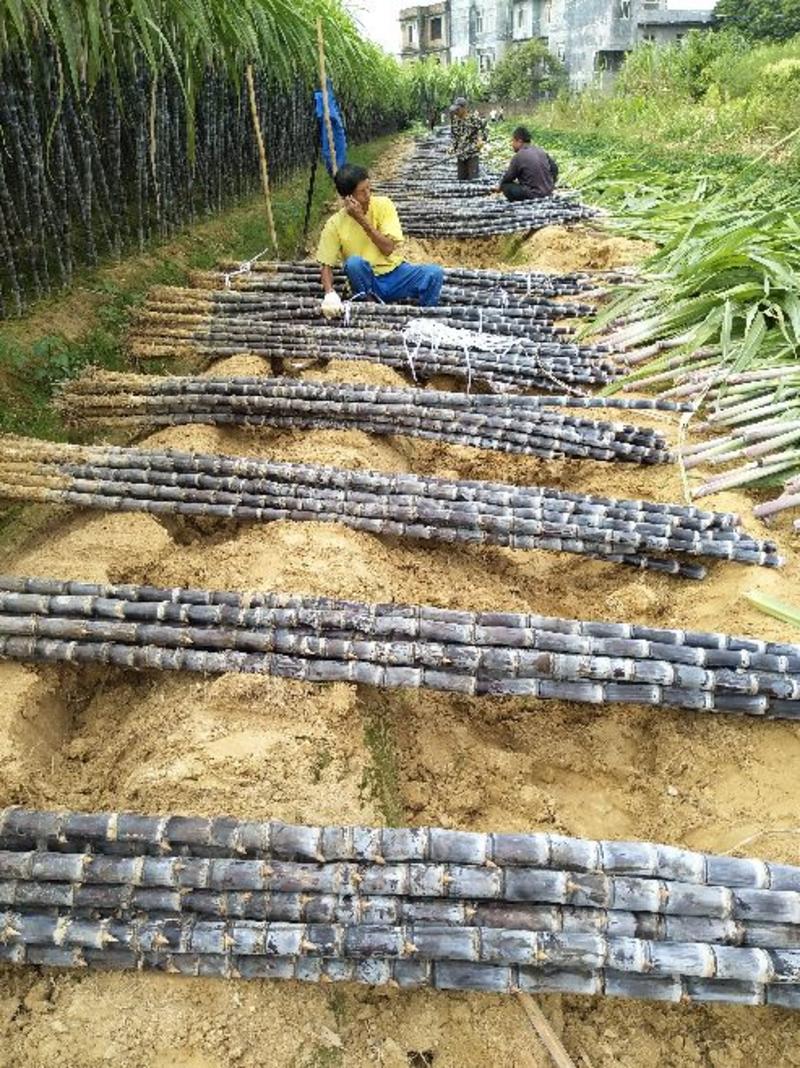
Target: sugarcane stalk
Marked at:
690, 647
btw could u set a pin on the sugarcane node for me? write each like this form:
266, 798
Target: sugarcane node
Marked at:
8, 933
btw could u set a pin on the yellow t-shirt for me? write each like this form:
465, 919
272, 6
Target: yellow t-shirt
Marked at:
343, 237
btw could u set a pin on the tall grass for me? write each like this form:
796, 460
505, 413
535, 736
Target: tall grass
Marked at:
714, 91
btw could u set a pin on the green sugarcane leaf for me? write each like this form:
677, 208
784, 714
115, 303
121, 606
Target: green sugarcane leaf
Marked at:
771, 606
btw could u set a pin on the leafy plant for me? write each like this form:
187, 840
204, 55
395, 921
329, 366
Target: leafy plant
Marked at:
527, 72
773, 20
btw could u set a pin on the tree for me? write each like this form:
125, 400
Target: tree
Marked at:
768, 20
526, 72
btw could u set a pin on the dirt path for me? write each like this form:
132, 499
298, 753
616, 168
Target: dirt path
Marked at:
260, 748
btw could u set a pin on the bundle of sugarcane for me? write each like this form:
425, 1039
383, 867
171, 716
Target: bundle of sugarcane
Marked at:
323, 640
470, 285
789, 498
486, 216
424, 345
512, 319
758, 413
411, 907
437, 185
506, 424
638, 533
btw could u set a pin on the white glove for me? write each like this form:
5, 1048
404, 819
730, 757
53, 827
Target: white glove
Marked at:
332, 305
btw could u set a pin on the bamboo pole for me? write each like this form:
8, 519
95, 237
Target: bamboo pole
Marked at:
323, 82
262, 157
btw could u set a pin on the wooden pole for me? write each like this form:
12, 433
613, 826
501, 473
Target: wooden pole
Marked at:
309, 198
262, 156
549, 1039
326, 111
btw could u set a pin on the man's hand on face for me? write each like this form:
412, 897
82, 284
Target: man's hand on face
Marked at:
354, 209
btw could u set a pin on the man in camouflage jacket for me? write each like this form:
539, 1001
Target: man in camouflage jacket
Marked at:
468, 133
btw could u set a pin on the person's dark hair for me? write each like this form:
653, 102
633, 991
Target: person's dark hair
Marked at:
348, 178
522, 133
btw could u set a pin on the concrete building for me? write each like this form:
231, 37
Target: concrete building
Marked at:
591, 37
481, 29
666, 27
425, 31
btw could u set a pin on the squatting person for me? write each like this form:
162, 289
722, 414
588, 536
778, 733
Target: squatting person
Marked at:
365, 235
469, 134
532, 173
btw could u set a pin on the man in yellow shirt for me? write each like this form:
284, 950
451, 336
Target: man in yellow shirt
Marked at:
365, 236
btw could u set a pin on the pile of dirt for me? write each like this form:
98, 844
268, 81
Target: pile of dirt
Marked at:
554, 248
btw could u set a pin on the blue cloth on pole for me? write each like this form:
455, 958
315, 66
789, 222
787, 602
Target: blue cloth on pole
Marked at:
415, 281
337, 123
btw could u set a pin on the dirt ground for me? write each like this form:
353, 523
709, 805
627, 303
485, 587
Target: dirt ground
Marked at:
261, 748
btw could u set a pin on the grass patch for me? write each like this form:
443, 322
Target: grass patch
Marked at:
381, 780
87, 324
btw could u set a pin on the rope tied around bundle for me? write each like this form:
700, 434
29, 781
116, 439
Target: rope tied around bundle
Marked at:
245, 267
435, 333
347, 305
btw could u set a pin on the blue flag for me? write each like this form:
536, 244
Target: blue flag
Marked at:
339, 138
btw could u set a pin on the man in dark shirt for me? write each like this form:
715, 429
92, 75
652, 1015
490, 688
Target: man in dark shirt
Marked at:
531, 173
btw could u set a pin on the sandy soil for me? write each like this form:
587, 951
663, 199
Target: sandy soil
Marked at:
554, 248
263, 748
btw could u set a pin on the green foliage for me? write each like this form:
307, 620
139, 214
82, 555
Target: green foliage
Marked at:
771, 20
430, 87
726, 273
33, 363
111, 39
684, 68
527, 72
97, 37
714, 93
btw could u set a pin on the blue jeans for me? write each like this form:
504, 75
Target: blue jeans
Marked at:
415, 281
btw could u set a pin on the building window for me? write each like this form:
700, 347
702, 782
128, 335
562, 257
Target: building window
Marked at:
520, 17
650, 37
478, 22
548, 12
624, 10
679, 37
485, 62
410, 32
609, 60
436, 28
561, 53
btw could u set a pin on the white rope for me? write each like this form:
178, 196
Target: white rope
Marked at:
503, 294
434, 333
245, 267
347, 305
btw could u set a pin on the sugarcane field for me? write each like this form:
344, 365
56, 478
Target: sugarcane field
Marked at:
399, 515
